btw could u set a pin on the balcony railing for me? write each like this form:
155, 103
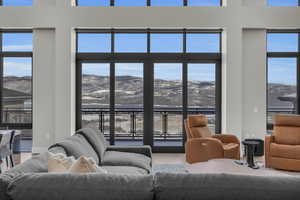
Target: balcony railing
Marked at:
129, 121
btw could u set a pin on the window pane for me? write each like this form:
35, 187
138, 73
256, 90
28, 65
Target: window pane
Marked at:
97, 42
17, 2
95, 96
130, 3
17, 41
93, 2
168, 104
282, 90
202, 91
17, 93
204, 2
166, 42
166, 2
130, 42
208, 43
282, 2
129, 106
282, 42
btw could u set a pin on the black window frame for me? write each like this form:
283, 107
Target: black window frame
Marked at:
283, 55
13, 54
149, 59
185, 3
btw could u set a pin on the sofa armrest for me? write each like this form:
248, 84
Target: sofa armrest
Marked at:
203, 149
145, 150
226, 138
268, 140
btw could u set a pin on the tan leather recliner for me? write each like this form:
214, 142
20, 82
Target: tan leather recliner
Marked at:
283, 147
201, 145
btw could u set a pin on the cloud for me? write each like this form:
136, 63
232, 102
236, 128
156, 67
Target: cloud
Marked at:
25, 47
17, 69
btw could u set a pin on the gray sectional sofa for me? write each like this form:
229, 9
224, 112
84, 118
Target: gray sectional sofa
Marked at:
129, 177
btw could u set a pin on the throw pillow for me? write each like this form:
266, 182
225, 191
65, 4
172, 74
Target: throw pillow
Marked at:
59, 162
86, 165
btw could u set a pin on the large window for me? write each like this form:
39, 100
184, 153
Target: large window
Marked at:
149, 3
15, 80
137, 86
283, 74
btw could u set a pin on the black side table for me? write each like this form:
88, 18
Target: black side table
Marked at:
250, 147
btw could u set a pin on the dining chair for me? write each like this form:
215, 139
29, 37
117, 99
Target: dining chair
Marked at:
6, 149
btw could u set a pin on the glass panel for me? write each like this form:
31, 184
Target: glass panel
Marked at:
17, 2
166, 2
93, 2
282, 42
282, 90
166, 42
17, 91
282, 2
130, 42
95, 96
203, 43
202, 91
167, 104
17, 41
98, 42
204, 2
129, 104
130, 3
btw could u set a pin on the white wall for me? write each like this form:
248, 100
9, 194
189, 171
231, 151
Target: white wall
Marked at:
244, 23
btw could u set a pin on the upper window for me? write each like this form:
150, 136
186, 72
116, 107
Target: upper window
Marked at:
159, 42
151, 2
283, 2
17, 41
204, 3
16, 2
94, 42
166, 3
282, 42
130, 3
203, 43
93, 2
166, 42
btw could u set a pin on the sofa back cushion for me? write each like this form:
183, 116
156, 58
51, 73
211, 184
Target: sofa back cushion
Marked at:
225, 186
96, 139
77, 146
81, 187
287, 129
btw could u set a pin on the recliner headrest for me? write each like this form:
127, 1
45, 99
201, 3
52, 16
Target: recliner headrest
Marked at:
197, 121
287, 120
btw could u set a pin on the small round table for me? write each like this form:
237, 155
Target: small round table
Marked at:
250, 147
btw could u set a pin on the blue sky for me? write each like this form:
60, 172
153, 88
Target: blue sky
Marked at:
282, 2
17, 2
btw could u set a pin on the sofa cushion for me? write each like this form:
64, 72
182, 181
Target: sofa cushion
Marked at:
77, 146
36, 164
92, 186
5, 180
115, 158
125, 170
225, 186
285, 151
96, 139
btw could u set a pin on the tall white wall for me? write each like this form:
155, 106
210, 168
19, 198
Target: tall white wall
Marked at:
254, 83
243, 42
43, 88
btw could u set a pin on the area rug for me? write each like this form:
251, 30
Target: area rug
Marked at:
169, 168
